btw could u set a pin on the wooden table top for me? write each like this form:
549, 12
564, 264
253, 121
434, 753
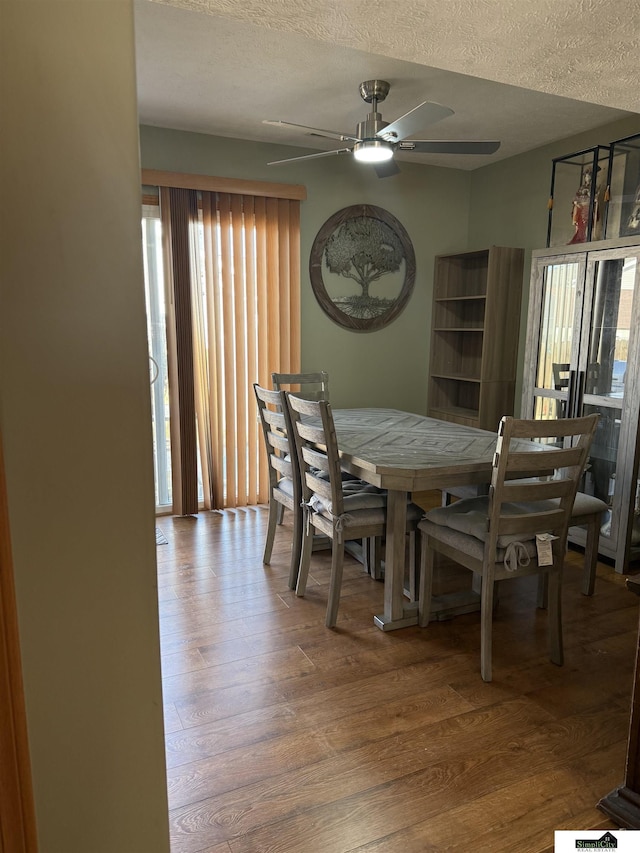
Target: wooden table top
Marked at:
401, 450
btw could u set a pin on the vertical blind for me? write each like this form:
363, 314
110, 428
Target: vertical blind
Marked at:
232, 265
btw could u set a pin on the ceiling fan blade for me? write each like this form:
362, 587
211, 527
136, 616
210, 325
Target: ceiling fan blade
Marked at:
317, 131
414, 121
310, 156
425, 146
387, 169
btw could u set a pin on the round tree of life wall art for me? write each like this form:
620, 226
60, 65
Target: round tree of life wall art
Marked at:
362, 267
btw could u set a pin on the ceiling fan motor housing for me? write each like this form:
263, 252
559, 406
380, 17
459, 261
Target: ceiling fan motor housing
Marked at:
369, 128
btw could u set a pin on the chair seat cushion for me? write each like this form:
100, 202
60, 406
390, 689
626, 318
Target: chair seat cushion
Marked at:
473, 546
357, 495
369, 516
585, 505
469, 516
285, 485
414, 514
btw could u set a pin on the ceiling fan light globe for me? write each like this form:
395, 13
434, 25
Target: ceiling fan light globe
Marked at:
372, 151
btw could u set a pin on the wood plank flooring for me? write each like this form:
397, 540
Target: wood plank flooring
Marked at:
283, 736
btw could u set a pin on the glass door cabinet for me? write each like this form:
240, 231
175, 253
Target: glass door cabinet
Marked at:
582, 356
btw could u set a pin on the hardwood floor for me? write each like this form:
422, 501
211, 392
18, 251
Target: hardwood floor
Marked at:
283, 736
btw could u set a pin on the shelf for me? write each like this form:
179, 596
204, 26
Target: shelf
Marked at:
458, 314
462, 275
456, 377
472, 298
454, 394
459, 411
458, 329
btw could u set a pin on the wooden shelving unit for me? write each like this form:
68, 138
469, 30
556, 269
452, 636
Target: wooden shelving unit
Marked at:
474, 336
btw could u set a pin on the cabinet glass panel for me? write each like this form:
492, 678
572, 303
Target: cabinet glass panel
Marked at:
578, 192
603, 376
599, 342
610, 328
556, 340
600, 475
623, 210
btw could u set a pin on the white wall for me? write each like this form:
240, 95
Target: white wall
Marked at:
75, 419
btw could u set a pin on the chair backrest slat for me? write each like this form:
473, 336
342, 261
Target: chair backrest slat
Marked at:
562, 427
534, 522
278, 441
309, 386
534, 462
542, 490
319, 487
315, 458
312, 433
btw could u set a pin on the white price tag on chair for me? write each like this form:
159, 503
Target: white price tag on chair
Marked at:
543, 546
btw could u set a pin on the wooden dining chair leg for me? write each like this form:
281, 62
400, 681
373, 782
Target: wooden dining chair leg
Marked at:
413, 563
296, 549
556, 653
476, 584
335, 584
543, 591
280, 513
591, 554
426, 582
486, 625
372, 548
274, 506
366, 557
305, 558
592, 523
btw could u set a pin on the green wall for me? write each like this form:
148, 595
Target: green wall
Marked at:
509, 202
384, 368
444, 210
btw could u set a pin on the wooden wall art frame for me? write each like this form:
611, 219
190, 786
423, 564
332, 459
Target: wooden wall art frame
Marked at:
379, 236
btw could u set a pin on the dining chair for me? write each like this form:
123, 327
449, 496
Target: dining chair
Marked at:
587, 512
519, 528
284, 475
311, 386
315, 386
340, 509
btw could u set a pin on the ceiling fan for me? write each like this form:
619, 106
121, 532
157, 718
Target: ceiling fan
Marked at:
376, 141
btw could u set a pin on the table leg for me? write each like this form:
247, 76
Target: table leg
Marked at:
396, 614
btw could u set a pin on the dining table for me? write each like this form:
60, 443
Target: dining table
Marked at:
403, 453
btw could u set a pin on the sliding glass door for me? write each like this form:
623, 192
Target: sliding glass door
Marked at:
157, 337
223, 304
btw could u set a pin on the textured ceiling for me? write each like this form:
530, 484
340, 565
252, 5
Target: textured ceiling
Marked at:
523, 72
